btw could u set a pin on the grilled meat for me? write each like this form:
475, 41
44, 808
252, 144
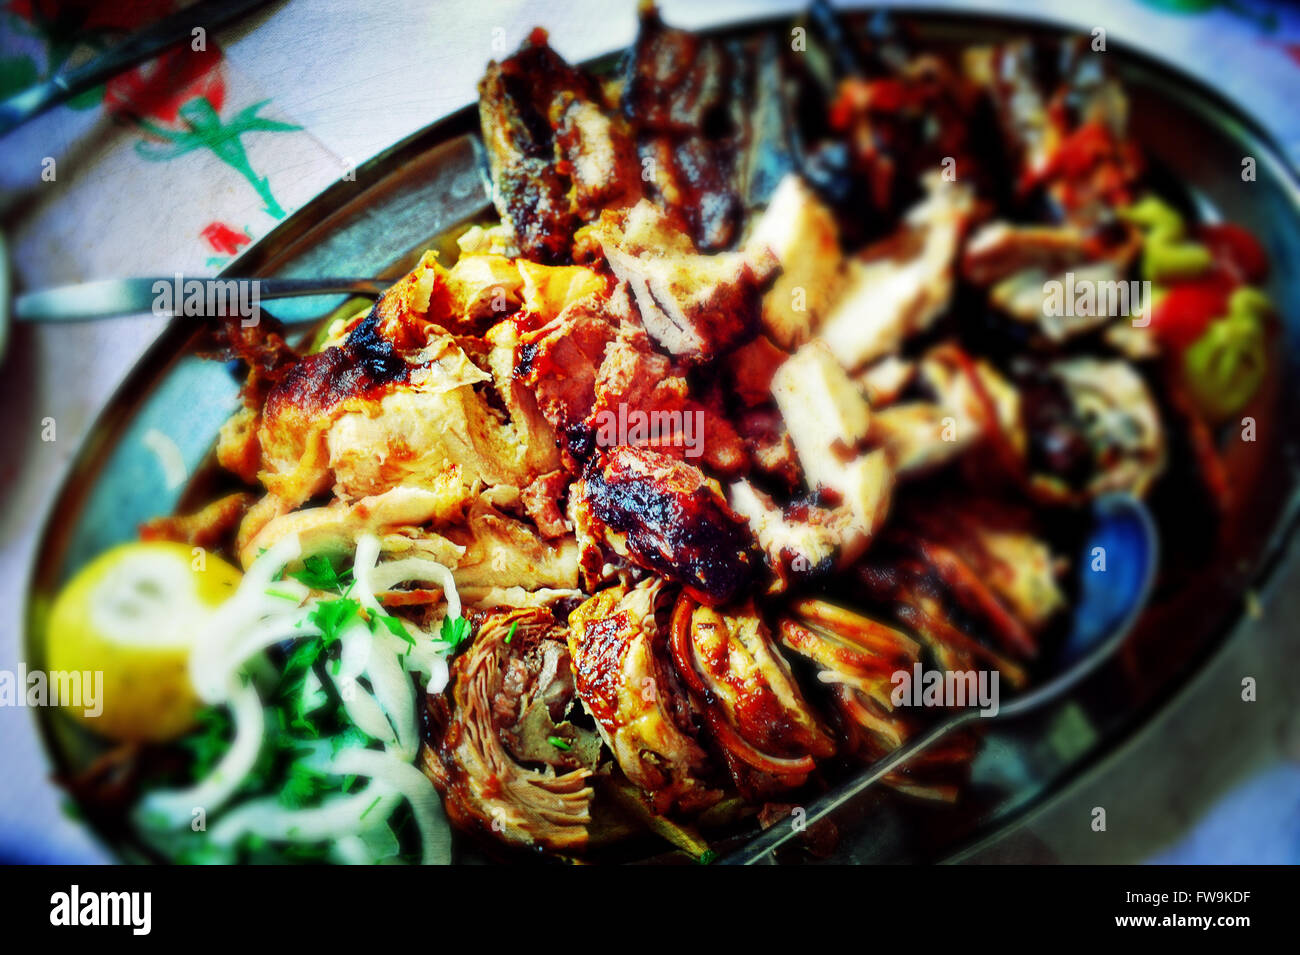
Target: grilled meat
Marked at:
756, 715
488, 746
627, 684
556, 157
693, 306
664, 516
594, 365
680, 95
398, 401
865, 365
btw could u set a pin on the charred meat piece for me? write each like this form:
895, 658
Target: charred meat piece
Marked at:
901, 125
207, 527
991, 549
768, 734
1064, 123
488, 746
635, 379
804, 540
541, 501
898, 287
560, 360
679, 96
972, 580
368, 416
593, 368
554, 155
626, 683
1093, 426
665, 516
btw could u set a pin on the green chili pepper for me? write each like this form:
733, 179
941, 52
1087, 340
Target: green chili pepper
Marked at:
1226, 365
1166, 254
1151, 214
1164, 261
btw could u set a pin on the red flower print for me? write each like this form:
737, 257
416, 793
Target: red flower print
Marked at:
224, 239
158, 89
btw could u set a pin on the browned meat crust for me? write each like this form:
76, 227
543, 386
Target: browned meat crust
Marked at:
677, 94
556, 158
665, 516
211, 526
627, 684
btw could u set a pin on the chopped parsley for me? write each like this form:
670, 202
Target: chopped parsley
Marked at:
305, 786
372, 805
392, 625
332, 616
319, 573
455, 631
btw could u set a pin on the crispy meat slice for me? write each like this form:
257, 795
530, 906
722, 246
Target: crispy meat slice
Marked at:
541, 501
593, 365
989, 554
627, 684
678, 94
900, 286
369, 415
555, 157
767, 732
399, 517
487, 747
207, 527
634, 378
501, 551
238, 448
695, 307
665, 516
800, 231
769, 446
515, 102
560, 360
261, 347
802, 540
598, 151
1064, 121
857, 657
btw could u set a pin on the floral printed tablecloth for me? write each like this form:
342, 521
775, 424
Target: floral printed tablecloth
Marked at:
182, 163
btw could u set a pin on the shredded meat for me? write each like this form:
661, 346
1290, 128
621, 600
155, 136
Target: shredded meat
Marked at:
483, 750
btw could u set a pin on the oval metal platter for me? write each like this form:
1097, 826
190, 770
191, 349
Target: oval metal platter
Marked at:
420, 192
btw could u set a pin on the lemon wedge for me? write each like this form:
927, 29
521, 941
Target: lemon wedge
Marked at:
133, 614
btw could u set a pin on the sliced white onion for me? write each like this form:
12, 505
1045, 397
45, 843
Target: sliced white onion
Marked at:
175, 807
363, 565
336, 816
354, 653
365, 712
417, 569
352, 850
395, 693
381, 842
429, 661
212, 664
402, 777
